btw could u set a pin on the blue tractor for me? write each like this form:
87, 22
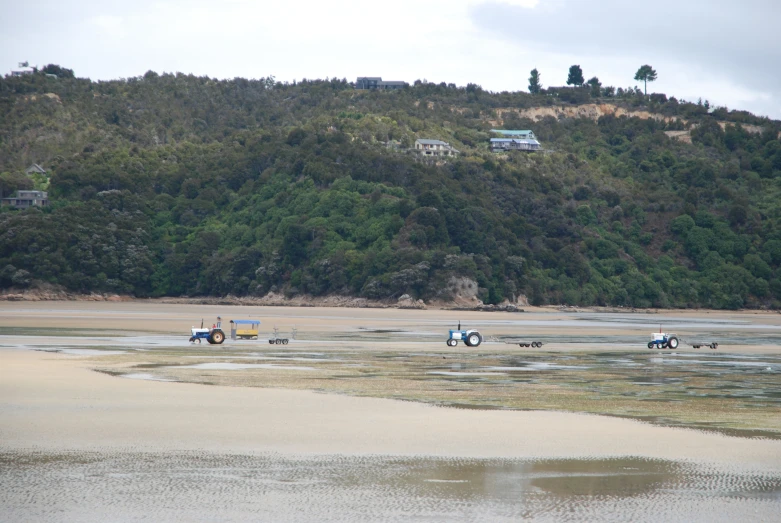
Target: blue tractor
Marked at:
471, 337
663, 340
214, 336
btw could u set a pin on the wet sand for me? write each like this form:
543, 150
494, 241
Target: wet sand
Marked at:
53, 402
74, 442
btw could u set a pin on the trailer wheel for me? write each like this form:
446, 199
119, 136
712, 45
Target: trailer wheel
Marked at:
714, 345
271, 342
539, 344
284, 341
672, 343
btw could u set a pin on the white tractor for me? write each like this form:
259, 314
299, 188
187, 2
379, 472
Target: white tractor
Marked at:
663, 340
471, 337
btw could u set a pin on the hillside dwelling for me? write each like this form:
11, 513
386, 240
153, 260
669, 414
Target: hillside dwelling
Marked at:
376, 82
435, 148
35, 169
522, 135
514, 144
25, 199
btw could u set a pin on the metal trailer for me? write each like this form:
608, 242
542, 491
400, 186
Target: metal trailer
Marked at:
245, 329
710, 345
276, 340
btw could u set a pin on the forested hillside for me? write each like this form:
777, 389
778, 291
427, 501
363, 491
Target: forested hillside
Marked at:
175, 185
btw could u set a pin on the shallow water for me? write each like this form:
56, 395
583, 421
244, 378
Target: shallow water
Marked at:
128, 486
241, 366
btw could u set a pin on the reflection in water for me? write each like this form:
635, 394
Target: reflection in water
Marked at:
190, 487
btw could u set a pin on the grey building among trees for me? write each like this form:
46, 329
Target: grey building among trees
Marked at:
376, 82
25, 199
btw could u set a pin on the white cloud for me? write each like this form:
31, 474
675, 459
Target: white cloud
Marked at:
529, 4
717, 49
109, 25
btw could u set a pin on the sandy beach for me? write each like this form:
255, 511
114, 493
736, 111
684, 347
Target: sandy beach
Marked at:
59, 415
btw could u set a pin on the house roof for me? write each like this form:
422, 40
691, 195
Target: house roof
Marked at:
508, 132
35, 168
370, 78
516, 140
425, 141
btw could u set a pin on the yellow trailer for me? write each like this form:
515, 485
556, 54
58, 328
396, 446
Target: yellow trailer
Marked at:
245, 329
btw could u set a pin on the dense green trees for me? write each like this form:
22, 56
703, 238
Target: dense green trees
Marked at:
596, 87
181, 185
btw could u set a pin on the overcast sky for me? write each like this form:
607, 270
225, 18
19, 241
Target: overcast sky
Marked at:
725, 51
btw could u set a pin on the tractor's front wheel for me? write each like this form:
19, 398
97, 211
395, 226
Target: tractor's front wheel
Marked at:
216, 337
650, 345
452, 343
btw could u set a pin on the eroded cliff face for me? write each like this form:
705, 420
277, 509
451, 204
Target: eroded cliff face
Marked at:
592, 111
595, 111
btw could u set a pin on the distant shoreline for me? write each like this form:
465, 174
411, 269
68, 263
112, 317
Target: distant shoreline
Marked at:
349, 302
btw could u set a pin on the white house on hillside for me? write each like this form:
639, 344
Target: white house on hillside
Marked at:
435, 148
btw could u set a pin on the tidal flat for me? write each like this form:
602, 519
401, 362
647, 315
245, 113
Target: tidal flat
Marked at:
707, 390
194, 487
366, 415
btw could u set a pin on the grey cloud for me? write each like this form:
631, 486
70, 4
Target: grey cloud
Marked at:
739, 40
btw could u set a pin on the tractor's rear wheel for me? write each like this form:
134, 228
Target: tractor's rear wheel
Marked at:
474, 340
216, 337
672, 343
